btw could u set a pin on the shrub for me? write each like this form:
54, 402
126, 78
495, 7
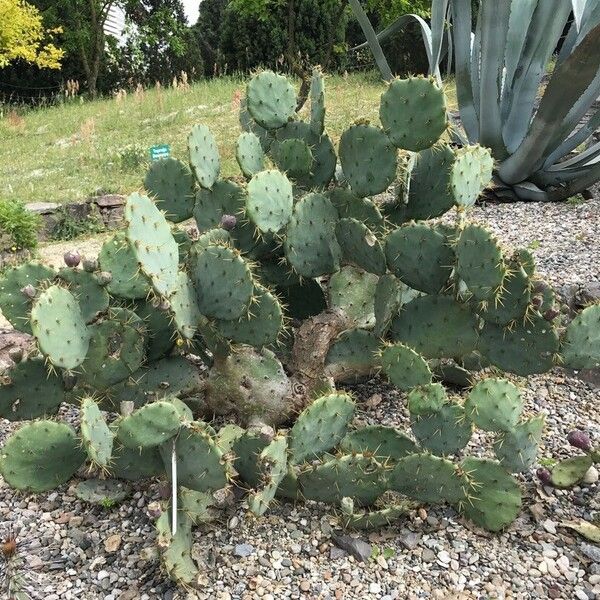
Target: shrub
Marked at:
18, 225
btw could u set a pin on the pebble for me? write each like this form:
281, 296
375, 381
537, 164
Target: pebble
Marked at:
243, 550
591, 475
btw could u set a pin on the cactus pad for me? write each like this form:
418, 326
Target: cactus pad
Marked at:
152, 242
317, 102
223, 282
117, 258
14, 304
495, 498
224, 198
92, 297
59, 328
372, 519
429, 478
413, 113
350, 206
517, 448
360, 247
310, 244
512, 303
200, 462
96, 436
382, 442
260, 326
420, 257
581, 342
272, 466
353, 291
197, 505
102, 491
271, 100
471, 173
479, 262
524, 349
176, 549
353, 354
159, 332
29, 391
134, 464
404, 367
294, 157
355, 476
204, 156
494, 405
455, 327
40, 456
247, 448
571, 471
250, 154
320, 426
184, 307
171, 184
150, 425
427, 399
368, 159
270, 201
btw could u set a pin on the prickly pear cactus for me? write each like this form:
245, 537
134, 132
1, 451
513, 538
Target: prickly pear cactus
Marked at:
295, 281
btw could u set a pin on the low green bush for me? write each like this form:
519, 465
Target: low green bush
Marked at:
18, 226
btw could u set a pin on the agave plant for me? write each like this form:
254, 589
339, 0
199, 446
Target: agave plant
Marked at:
515, 95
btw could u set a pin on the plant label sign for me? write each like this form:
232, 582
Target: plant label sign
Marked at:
160, 151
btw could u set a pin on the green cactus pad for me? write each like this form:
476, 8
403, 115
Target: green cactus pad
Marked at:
310, 244
320, 426
15, 305
184, 307
270, 201
360, 247
524, 349
350, 206
227, 436
373, 519
200, 462
354, 475
223, 282
272, 466
166, 377
117, 258
385, 443
204, 156
353, 355
368, 159
59, 327
176, 549
444, 431
420, 257
271, 100
150, 425
404, 367
250, 154
387, 302
294, 157
571, 471
40, 456
427, 478
262, 324
171, 184
581, 342
247, 449
429, 193
184, 243
512, 303
494, 405
471, 173
413, 113
247, 123
96, 436
526, 260
159, 332
353, 291
495, 498
29, 391
149, 235
197, 505
479, 262
102, 492
116, 350
427, 399
135, 464
455, 327
92, 297
517, 448
317, 102
225, 198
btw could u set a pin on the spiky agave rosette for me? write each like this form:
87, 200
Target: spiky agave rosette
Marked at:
293, 283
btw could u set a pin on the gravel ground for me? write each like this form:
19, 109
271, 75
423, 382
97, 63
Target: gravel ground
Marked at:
73, 551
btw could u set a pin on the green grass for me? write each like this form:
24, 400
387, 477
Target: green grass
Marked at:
66, 153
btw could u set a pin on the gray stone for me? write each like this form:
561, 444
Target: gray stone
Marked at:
591, 551
243, 550
109, 200
358, 548
42, 208
409, 539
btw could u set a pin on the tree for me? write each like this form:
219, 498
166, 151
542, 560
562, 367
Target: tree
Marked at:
207, 31
22, 36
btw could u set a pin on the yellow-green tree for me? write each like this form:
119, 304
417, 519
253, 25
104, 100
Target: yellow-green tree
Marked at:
23, 36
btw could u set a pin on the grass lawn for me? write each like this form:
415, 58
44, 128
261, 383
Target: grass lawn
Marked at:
66, 153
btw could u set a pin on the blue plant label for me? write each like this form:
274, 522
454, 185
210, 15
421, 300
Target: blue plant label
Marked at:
159, 152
